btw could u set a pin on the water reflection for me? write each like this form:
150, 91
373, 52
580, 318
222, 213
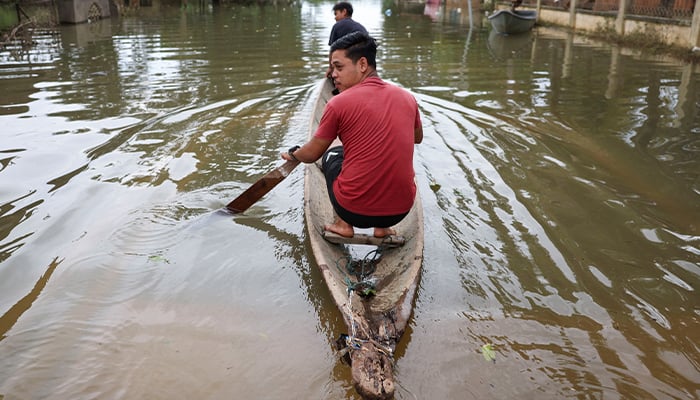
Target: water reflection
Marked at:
503, 47
559, 180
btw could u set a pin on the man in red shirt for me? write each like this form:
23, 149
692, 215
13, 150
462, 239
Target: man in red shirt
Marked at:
378, 124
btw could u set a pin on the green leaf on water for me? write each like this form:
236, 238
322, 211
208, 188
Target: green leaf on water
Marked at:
488, 353
158, 259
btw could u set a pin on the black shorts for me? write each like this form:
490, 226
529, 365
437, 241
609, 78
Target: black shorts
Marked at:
332, 164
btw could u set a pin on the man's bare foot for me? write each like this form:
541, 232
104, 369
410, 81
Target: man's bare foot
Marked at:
383, 232
341, 227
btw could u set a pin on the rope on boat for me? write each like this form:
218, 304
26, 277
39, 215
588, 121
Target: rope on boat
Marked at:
349, 343
362, 270
364, 285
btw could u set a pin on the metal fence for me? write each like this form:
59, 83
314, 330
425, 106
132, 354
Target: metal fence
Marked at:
673, 9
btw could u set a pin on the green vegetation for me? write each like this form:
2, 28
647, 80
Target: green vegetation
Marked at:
8, 16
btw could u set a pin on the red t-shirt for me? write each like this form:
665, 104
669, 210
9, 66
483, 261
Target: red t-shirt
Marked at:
375, 121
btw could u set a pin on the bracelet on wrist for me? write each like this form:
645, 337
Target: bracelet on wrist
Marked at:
291, 151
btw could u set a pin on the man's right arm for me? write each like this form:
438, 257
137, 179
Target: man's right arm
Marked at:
310, 151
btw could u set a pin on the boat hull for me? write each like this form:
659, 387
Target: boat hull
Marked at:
375, 323
510, 22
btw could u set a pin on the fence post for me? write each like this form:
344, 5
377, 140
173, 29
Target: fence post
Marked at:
621, 15
572, 14
695, 28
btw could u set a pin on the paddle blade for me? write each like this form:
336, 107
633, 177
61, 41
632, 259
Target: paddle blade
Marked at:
261, 187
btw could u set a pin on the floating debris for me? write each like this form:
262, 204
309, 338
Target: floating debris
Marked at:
488, 353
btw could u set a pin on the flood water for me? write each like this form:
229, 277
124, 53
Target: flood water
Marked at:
560, 180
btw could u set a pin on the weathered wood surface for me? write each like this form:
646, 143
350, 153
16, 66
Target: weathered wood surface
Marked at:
360, 238
377, 321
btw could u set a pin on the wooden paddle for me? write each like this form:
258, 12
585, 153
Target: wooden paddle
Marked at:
261, 187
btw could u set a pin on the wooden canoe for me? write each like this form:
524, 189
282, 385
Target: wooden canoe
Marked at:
376, 322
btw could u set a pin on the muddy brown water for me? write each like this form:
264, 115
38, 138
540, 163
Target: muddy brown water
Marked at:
559, 177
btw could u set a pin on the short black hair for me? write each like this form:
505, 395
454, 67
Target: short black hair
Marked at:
343, 5
358, 45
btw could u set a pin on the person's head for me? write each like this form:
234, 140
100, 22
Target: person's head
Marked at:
342, 10
353, 58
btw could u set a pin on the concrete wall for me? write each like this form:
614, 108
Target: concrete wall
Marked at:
669, 34
667, 31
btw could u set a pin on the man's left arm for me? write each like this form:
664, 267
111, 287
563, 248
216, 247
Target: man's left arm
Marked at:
417, 128
418, 134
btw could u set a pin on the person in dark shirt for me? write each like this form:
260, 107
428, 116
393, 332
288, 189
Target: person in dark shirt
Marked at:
344, 24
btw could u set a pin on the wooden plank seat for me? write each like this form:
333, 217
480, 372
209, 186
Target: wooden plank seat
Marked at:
361, 238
